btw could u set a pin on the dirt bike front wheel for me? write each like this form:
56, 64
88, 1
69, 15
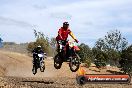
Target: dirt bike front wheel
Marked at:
74, 64
34, 70
42, 67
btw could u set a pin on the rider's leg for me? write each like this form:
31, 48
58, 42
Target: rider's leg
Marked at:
57, 46
67, 51
34, 58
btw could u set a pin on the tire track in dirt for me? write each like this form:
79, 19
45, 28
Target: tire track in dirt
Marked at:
20, 65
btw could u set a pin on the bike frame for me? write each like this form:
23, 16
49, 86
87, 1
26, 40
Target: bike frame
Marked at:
71, 45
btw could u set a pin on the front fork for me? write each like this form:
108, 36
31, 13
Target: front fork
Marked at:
42, 62
75, 57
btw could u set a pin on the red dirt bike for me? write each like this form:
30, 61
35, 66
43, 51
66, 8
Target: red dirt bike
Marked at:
73, 58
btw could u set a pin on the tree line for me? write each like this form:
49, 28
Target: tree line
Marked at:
47, 44
112, 49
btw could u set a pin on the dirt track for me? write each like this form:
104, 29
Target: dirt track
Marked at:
15, 72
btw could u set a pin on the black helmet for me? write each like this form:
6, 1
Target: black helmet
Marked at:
65, 25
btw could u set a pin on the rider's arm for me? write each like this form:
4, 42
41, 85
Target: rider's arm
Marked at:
59, 33
33, 51
42, 51
72, 35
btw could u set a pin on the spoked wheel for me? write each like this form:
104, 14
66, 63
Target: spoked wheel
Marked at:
74, 64
57, 62
34, 70
42, 67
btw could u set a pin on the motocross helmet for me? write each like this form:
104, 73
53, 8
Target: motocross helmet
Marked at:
39, 47
65, 25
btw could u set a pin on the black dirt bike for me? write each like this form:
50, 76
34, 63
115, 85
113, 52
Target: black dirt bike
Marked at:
39, 62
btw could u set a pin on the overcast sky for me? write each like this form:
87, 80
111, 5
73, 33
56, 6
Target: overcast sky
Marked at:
89, 19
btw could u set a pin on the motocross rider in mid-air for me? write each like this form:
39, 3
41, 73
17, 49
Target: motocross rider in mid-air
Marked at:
63, 35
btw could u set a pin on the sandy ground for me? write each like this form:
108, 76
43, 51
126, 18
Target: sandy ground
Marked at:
16, 72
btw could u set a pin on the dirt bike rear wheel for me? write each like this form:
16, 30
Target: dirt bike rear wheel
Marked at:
57, 62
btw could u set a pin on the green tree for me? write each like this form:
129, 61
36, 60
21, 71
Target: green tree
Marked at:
41, 40
113, 40
53, 42
100, 57
126, 61
112, 44
85, 54
31, 46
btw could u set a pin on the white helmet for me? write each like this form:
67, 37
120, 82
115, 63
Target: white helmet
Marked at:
39, 46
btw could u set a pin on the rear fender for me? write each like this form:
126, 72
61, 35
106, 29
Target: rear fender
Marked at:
76, 48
